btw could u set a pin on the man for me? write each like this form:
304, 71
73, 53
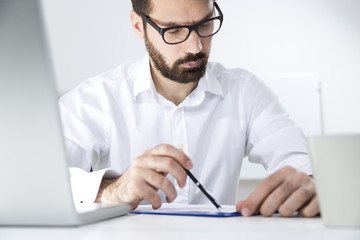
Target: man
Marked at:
151, 119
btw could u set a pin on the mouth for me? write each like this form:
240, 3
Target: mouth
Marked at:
191, 64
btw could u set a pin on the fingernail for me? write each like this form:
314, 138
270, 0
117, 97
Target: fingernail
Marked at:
245, 212
189, 164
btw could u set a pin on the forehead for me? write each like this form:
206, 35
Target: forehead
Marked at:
180, 11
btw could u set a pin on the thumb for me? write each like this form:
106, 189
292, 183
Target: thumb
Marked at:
241, 208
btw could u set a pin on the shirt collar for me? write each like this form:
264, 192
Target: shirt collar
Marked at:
143, 82
212, 83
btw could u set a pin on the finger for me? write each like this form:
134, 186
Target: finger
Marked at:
160, 182
278, 197
239, 206
310, 210
256, 198
145, 191
296, 200
173, 152
163, 165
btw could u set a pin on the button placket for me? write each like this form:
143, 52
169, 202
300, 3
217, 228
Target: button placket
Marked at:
180, 140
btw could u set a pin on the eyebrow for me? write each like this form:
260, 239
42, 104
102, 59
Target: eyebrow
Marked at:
174, 24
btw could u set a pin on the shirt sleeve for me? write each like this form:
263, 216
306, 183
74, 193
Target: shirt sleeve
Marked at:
85, 185
273, 138
84, 145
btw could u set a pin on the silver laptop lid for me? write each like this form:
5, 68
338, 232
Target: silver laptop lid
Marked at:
34, 181
336, 163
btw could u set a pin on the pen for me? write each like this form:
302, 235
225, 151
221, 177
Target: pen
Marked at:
211, 198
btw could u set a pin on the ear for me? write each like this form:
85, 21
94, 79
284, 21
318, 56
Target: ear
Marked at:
137, 24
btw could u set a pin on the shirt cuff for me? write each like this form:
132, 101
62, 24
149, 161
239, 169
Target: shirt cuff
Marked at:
85, 185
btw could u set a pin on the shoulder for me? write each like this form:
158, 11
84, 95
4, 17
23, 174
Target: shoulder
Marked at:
221, 71
104, 84
234, 79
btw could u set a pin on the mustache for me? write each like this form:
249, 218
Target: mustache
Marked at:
191, 58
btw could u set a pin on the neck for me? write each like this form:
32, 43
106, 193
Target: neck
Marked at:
169, 89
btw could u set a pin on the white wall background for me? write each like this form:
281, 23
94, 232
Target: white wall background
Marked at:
320, 37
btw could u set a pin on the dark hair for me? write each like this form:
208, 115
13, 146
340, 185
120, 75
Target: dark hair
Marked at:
142, 6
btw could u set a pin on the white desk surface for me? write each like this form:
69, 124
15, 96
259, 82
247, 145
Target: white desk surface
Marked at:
184, 227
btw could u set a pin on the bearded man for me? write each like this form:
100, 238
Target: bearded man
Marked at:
133, 131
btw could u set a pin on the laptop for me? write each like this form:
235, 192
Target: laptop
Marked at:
336, 163
34, 179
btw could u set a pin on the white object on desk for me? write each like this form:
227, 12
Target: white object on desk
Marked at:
179, 209
336, 164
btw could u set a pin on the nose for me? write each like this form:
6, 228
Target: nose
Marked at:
193, 43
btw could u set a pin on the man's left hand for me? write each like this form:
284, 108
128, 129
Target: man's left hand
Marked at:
285, 191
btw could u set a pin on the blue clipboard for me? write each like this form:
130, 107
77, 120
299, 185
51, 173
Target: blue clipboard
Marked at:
194, 214
188, 210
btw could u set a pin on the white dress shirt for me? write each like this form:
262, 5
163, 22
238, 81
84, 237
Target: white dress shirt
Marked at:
111, 119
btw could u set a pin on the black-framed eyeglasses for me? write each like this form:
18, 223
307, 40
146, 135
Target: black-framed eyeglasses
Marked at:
179, 34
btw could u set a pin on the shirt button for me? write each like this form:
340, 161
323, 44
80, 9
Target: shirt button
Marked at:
178, 109
180, 146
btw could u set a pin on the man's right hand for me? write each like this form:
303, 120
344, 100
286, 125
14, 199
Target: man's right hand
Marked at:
145, 176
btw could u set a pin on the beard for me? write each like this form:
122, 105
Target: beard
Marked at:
177, 72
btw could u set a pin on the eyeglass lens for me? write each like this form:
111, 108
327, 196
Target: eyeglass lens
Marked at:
206, 29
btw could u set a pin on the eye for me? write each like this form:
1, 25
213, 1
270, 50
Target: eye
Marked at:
205, 25
174, 31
